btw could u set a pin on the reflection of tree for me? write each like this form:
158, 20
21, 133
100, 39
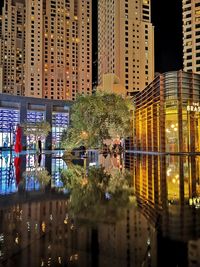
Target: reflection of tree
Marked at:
97, 195
39, 174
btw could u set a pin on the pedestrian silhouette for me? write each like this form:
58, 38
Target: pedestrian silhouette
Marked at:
40, 145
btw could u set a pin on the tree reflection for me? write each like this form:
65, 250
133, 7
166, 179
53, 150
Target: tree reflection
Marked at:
36, 173
96, 194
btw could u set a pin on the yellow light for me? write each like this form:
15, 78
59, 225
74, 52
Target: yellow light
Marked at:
172, 126
43, 227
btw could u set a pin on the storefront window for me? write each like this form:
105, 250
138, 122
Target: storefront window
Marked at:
9, 118
171, 127
60, 122
33, 117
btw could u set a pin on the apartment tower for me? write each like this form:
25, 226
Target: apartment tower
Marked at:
56, 52
126, 42
191, 35
12, 41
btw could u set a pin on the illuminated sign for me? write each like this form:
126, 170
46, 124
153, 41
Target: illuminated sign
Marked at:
194, 107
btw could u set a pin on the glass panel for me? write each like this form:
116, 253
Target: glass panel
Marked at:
33, 117
60, 122
9, 118
171, 126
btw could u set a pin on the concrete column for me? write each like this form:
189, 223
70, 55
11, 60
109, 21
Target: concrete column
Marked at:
23, 118
49, 109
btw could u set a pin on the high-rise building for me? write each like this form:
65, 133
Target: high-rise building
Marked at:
12, 47
191, 35
55, 51
126, 42
34, 48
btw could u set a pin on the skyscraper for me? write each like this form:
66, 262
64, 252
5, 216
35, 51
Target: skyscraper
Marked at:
12, 41
191, 35
55, 51
126, 42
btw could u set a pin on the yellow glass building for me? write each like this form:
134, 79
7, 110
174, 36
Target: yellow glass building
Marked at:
167, 114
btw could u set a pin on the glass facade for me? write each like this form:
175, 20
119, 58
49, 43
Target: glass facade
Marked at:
17, 110
60, 122
167, 114
33, 117
9, 118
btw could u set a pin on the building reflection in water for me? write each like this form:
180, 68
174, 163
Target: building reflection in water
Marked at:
168, 192
161, 229
7, 174
40, 233
36, 230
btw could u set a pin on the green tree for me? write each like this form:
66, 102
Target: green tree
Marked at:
98, 117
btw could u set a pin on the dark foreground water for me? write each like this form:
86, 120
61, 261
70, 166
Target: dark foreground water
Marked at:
161, 227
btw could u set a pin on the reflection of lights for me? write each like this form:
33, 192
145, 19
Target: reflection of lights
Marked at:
72, 227
148, 241
73, 257
168, 171
175, 129
92, 164
194, 201
173, 181
167, 130
17, 240
65, 221
28, 226
177, 176
59, 260
49, 262
1, 237
43, 227
172, 126
51, 217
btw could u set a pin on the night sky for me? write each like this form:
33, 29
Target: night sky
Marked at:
167, 19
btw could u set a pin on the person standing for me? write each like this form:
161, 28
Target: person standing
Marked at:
40, 145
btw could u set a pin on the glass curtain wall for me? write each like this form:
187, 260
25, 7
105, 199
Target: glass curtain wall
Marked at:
60, 122
167, 114
33, 117
9, 118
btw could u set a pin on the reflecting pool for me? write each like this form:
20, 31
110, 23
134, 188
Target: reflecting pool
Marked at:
159, 227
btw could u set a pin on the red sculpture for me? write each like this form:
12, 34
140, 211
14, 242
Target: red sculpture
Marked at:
17, 162
18, 145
